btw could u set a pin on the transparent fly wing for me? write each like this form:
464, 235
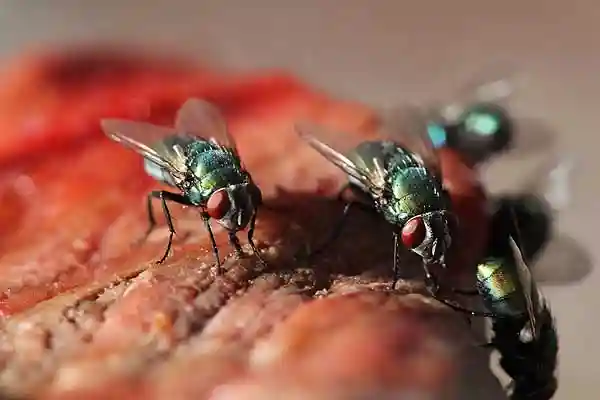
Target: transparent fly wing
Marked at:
550, 180
336, 148
409, 127
495, 85
553, 183
155, 143
200, 118
527, 285
546, 176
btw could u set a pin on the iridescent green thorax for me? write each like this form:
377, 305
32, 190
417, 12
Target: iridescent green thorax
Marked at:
498, 284
215, 167
415, 190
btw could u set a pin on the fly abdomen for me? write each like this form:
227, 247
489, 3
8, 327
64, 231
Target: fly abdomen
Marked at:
499, 289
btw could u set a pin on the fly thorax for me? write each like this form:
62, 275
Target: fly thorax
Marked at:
414, 191
197, 148
219, 178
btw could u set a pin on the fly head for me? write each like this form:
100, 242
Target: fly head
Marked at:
234, 206
428, 235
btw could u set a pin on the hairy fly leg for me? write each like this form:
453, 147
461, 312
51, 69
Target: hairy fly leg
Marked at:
433, 288
215, 249
235, 243
395, 269
164, 196
251, 239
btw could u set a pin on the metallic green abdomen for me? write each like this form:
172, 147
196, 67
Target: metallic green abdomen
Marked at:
214, 167
498, 285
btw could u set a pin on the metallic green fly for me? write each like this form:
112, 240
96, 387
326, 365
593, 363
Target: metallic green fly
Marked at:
524, 330
399, 177
199, 158
476, 120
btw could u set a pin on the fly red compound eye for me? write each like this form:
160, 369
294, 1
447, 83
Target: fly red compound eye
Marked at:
413, 233
218, 204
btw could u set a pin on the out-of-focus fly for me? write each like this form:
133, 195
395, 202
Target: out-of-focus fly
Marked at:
522, 322
476, 121
524, 330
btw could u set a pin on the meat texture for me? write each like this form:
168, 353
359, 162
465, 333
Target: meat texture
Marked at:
88, 314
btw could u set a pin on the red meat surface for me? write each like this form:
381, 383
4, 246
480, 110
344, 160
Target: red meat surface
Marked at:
88, 314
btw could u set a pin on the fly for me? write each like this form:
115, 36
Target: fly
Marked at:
199, 158
476, 122
398, 176
524, 330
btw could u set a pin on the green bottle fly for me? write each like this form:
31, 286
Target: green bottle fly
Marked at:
199, 158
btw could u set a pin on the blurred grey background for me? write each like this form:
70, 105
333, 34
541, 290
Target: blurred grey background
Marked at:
386, 53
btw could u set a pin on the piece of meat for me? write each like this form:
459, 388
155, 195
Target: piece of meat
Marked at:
87, 312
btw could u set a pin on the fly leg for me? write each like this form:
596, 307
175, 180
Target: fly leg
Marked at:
431, 283
251, 239
235, 243
151, 219
335, 232
395, 269
215, 249
339, 225
163, 195
472, 313
433, 288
